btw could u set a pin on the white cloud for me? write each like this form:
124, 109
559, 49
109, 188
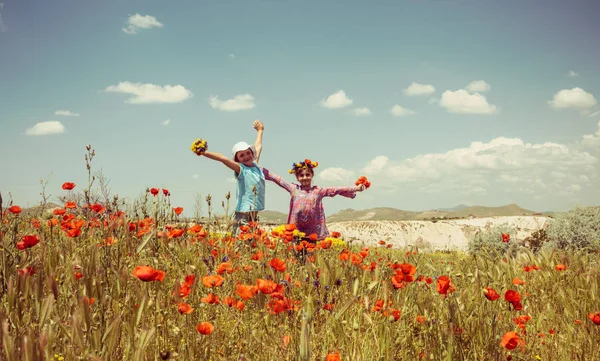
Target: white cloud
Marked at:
524, 167
66, 113
460, 101
399, 111
376, 165
361, 112
137, 22
478, 86
594, 113
149, 93
508, 178
572, 73
335, 174
166, 122
336, 100
46, 128
592, 140
231, 56
575, 98
195, 176
419, 89
238, 102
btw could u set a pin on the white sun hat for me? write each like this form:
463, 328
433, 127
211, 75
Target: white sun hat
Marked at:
242, 146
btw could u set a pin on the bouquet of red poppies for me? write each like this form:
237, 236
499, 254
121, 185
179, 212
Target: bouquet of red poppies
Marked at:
364, 181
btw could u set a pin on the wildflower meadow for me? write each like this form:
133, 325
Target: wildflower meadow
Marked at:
96, 279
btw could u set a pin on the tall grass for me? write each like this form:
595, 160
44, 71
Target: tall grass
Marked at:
340, 300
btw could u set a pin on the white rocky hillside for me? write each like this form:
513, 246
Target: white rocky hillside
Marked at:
443, 234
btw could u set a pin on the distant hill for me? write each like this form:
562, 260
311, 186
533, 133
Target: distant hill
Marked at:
461, 211
373, 214
480, 211
455, 208
274, 217
37, 210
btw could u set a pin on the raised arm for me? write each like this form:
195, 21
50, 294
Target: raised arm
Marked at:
349, 192
223, 159
270, 176
260, 128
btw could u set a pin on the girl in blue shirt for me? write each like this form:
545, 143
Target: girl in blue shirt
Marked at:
250, 193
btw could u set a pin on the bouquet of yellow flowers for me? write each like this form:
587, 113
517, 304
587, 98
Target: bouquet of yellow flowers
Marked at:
199, 146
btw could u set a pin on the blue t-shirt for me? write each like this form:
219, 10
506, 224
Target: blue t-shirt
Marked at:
246, 180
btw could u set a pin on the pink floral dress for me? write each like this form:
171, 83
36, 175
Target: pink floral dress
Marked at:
306, 206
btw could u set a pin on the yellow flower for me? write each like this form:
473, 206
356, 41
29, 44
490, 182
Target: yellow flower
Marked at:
336, 242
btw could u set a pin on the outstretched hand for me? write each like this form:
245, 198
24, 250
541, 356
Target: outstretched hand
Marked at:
258, 125
360, 188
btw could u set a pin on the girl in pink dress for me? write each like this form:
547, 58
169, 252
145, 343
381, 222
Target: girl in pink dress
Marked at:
306, 206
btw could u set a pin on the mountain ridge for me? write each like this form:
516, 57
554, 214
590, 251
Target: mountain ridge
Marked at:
396, 214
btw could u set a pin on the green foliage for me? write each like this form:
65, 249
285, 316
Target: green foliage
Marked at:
577, 229
489, 242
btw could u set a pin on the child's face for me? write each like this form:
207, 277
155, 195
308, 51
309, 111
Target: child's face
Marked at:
245, 157
304, 176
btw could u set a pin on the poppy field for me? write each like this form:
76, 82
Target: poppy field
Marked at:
91, 281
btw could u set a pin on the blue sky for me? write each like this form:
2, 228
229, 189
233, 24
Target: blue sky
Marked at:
437, 102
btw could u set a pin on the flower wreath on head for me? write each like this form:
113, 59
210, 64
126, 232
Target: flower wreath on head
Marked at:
306, 164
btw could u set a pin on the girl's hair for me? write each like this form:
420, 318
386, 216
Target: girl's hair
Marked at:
298, 170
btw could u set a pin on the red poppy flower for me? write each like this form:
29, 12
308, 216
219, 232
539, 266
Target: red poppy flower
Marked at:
184, 308
512, 296
333, 357
266, 286
148, 274
444, 285
178, 210
154, 191
505, 237
518, 282
98, 208
277, 264
560, 267
166, 192
511, 340
211, 299
15, 209
595, 317
363, 180
27, 271
89, 300
186, 287
212, 281
491, 294
246, 292
68, 186
70, 205
59, 212
28, 241
335, 234
205, 328
225, 267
